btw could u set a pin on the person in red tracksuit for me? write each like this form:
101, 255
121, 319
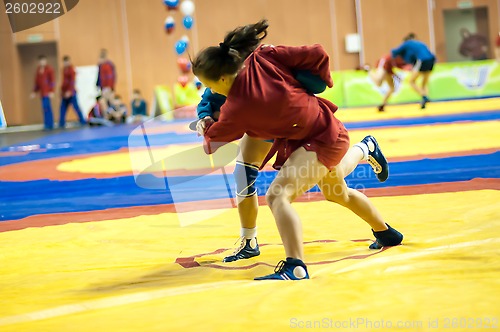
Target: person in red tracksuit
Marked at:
44, 85
68, 93
106, 76
265, 101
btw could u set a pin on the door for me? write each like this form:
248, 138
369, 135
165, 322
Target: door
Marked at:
482, 15
466, 34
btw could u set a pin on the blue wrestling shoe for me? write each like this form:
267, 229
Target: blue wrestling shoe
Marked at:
291, 269
376, 159
247, 249
424, 102
389, 237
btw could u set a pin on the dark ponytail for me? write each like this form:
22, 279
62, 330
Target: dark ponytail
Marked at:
228, 57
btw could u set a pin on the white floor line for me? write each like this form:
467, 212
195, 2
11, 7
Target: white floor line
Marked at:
376, 260
115, 301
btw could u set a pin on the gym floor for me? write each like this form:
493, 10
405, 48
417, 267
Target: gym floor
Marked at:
91, 239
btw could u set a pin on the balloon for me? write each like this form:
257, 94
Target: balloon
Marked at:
188, 22
197, 83
187, 7
183, 80
180, 47
185, 39
171, 4
184, 65
169, 24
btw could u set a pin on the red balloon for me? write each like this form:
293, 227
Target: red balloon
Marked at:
169, 24
183, 80
169, 30
184, 65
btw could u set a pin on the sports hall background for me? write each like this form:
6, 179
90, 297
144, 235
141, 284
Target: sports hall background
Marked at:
133, 33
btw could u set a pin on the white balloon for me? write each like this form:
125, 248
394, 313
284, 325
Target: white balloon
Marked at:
185, 38
187, 7
169, 19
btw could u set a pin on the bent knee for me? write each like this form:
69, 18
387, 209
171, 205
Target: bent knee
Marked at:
271, 198
339, 199
274, 199
342, 198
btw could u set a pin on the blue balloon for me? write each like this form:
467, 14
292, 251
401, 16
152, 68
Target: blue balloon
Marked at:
180, 47
197, 83
171, 3
169, 24
188, 22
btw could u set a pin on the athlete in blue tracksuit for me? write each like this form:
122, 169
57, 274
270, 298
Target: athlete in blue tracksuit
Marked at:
417, 53
251, 154
210, 105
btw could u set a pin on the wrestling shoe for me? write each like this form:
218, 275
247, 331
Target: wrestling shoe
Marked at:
424, 102
192, 125
248, 248
376, 159
387, 238
291, 269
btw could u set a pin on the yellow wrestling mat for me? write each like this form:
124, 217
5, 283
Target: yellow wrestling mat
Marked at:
413, 110
121, 275
396, 142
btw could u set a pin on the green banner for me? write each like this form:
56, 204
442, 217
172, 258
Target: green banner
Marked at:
447, 81
465, 80
335, 94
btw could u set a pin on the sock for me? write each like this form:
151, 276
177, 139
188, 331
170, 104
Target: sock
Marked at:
363, 148
370, 145
248, 233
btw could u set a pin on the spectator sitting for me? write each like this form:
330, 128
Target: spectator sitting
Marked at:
139, 108
117, 112
96, 115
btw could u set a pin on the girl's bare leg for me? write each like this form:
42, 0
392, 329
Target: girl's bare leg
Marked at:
300, 173
334, 188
